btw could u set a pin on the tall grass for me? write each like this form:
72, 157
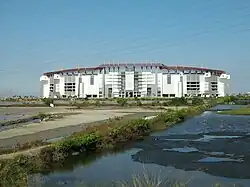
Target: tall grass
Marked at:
149, 180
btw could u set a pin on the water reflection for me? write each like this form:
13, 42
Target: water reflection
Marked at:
227, 151
211, 142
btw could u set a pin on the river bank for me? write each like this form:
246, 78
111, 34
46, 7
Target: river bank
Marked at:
105, 137
200, 151
46, 131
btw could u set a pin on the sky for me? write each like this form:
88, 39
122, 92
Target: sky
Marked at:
48, 35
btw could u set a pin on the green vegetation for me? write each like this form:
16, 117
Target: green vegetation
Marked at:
48, 101
122, 101
138, 102
242, 99
242, 96
97, 103
230, 99
179, 101
197, 101
42, 115
155, 101
14, 172
239, 111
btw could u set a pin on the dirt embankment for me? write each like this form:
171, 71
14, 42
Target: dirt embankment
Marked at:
47, 130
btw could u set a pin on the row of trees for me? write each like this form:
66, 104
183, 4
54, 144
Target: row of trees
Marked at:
235, 98
241, 99
123, 102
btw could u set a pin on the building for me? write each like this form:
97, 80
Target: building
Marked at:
135, 80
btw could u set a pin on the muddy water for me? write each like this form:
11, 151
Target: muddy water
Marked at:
204, 150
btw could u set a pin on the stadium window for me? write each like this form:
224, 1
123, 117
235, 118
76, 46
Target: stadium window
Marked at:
169, 79
92, 80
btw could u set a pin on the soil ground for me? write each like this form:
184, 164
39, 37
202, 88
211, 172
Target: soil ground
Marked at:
47, 130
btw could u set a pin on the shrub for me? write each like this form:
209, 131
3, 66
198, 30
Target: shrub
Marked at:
229, 99
138, 102
170, 117
84, 142
97, 103
42, 115
15, 172
179, 101
48, 101
122, 101
165, 103
197, 101
129, 130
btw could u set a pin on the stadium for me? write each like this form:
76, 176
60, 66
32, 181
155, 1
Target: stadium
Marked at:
135, 80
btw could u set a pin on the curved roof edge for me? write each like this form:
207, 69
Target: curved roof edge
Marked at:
161, 66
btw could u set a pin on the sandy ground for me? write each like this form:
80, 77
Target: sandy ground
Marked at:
63, 127
85, 117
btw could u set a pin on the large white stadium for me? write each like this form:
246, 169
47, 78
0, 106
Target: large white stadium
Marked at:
135, 80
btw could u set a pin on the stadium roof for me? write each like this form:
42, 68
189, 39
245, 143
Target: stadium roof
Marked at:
161, 66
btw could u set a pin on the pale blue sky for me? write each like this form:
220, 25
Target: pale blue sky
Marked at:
40, 36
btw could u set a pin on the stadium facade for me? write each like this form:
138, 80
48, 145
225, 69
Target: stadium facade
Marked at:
135, 80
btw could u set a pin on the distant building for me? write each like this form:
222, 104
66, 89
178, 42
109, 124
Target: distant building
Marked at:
135, 80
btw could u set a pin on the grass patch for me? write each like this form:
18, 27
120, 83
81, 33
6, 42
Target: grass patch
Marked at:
112, 134
240, 111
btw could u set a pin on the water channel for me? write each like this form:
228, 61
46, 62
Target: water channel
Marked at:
204, 150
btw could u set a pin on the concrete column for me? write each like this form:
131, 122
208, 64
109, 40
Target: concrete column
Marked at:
103, 83
156, 83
